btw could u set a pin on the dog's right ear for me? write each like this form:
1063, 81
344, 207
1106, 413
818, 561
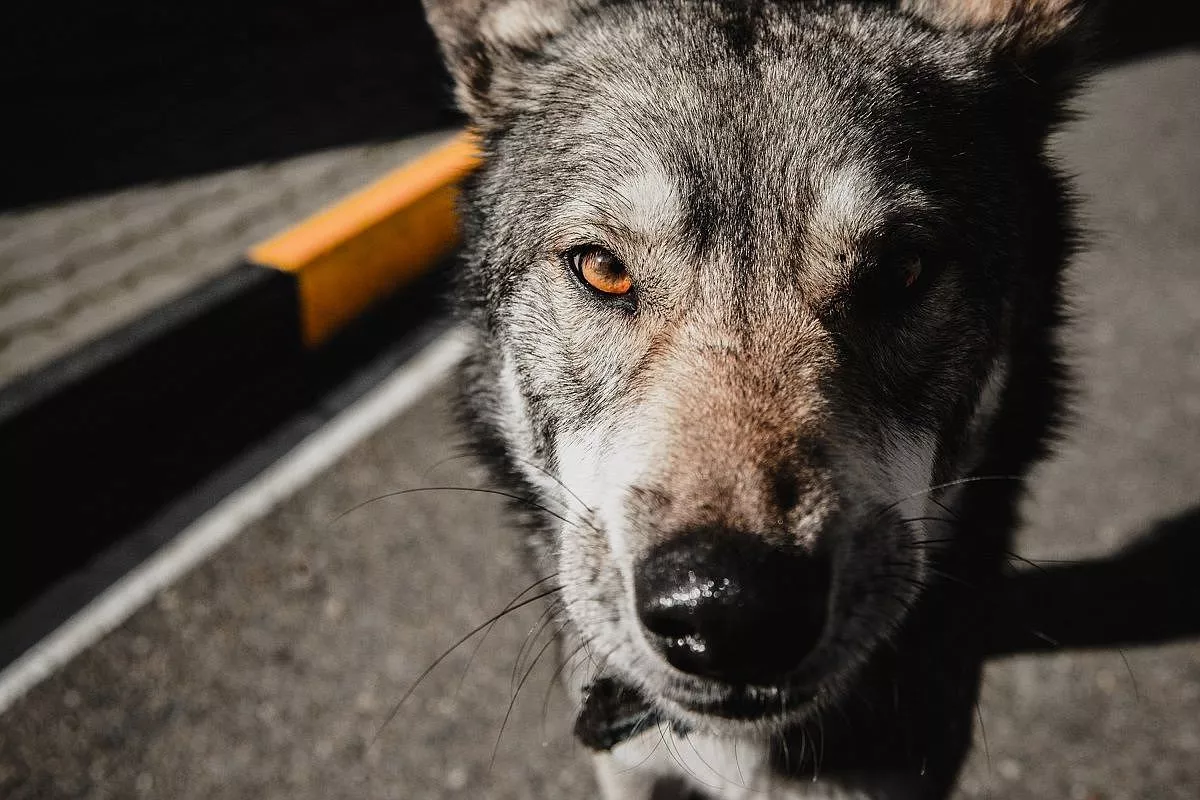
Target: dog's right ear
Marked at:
1043, 45
485, 42
1047, 39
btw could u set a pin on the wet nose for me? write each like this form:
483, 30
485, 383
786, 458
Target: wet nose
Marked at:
730, 606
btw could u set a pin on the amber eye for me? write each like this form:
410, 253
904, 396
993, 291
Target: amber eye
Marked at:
601, 270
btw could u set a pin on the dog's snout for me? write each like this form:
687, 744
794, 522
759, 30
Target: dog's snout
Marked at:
731, 606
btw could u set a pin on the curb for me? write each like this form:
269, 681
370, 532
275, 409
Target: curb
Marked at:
93, 445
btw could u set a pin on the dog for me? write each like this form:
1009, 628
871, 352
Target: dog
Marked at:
763, 299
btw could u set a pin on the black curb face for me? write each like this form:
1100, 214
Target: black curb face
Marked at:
95, 446
91, 444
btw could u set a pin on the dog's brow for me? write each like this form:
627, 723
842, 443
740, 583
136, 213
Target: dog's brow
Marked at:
647, 201
853, 204
847, 199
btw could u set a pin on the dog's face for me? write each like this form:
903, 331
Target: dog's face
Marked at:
744, 276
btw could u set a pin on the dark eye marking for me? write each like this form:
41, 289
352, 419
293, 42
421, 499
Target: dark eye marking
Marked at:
886, 277
897, 271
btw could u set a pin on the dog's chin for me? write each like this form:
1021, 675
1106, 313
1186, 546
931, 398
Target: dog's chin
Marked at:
719, 707
724, 708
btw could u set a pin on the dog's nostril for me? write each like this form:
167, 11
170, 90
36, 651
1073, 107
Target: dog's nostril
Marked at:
669, 623
679, 635
729, 606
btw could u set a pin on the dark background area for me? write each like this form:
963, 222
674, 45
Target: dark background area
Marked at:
104, 95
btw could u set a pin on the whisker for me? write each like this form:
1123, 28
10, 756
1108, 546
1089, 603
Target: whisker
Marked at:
557, 480
553, 680
1067, 561
424, 674
1137, 695
662, 738
949, 485
649, 713
486, 633
464, 454
547, 618
704, 761
942, 520
946, 508
679, 759
478, 490
527, 463
1014, 557
1045, 637
949, 577
513, 702
787, 752
738, 764
983, 736
819, 752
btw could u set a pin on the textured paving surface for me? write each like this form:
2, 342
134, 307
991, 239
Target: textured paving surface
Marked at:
265, 673
73, 271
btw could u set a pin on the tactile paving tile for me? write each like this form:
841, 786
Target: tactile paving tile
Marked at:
76, 270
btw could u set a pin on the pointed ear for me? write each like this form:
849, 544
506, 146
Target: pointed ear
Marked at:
1046, 41
485, 41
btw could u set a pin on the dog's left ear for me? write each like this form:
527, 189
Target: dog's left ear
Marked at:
1045, 43
484, 43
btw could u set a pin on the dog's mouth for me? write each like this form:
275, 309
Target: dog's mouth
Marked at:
614, 711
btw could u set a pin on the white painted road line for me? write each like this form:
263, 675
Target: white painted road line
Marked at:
204, 537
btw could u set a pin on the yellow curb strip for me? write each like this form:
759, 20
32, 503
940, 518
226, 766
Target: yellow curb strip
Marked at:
374, 241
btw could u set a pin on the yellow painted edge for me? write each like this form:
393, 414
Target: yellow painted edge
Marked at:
367, 245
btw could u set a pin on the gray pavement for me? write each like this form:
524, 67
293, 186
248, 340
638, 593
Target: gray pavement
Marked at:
73, 271
266, 672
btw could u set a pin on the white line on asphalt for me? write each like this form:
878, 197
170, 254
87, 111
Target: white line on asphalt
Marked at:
223, 522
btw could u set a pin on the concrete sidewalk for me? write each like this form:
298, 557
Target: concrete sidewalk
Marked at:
266, 672
73, 271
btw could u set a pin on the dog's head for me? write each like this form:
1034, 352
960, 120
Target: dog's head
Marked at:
745, 277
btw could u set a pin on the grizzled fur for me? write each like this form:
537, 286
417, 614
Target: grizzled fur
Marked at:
763, 168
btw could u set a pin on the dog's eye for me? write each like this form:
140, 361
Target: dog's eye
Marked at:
909, 269
902, 274
893, 280
601, 270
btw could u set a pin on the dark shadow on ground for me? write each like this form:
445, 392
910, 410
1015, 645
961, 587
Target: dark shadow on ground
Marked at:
1133, 28
99, 96
1146, 593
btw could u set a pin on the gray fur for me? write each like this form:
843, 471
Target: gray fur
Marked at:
760, 167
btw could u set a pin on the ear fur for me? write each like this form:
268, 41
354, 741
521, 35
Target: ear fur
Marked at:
483, 40
1045, 38
1032, 20
1041, 46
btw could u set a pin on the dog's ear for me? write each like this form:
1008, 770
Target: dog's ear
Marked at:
484, 43
1046, 42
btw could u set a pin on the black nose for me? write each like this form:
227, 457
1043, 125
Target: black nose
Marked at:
730, 606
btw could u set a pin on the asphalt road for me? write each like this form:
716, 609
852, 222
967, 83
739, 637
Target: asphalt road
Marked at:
266, 672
